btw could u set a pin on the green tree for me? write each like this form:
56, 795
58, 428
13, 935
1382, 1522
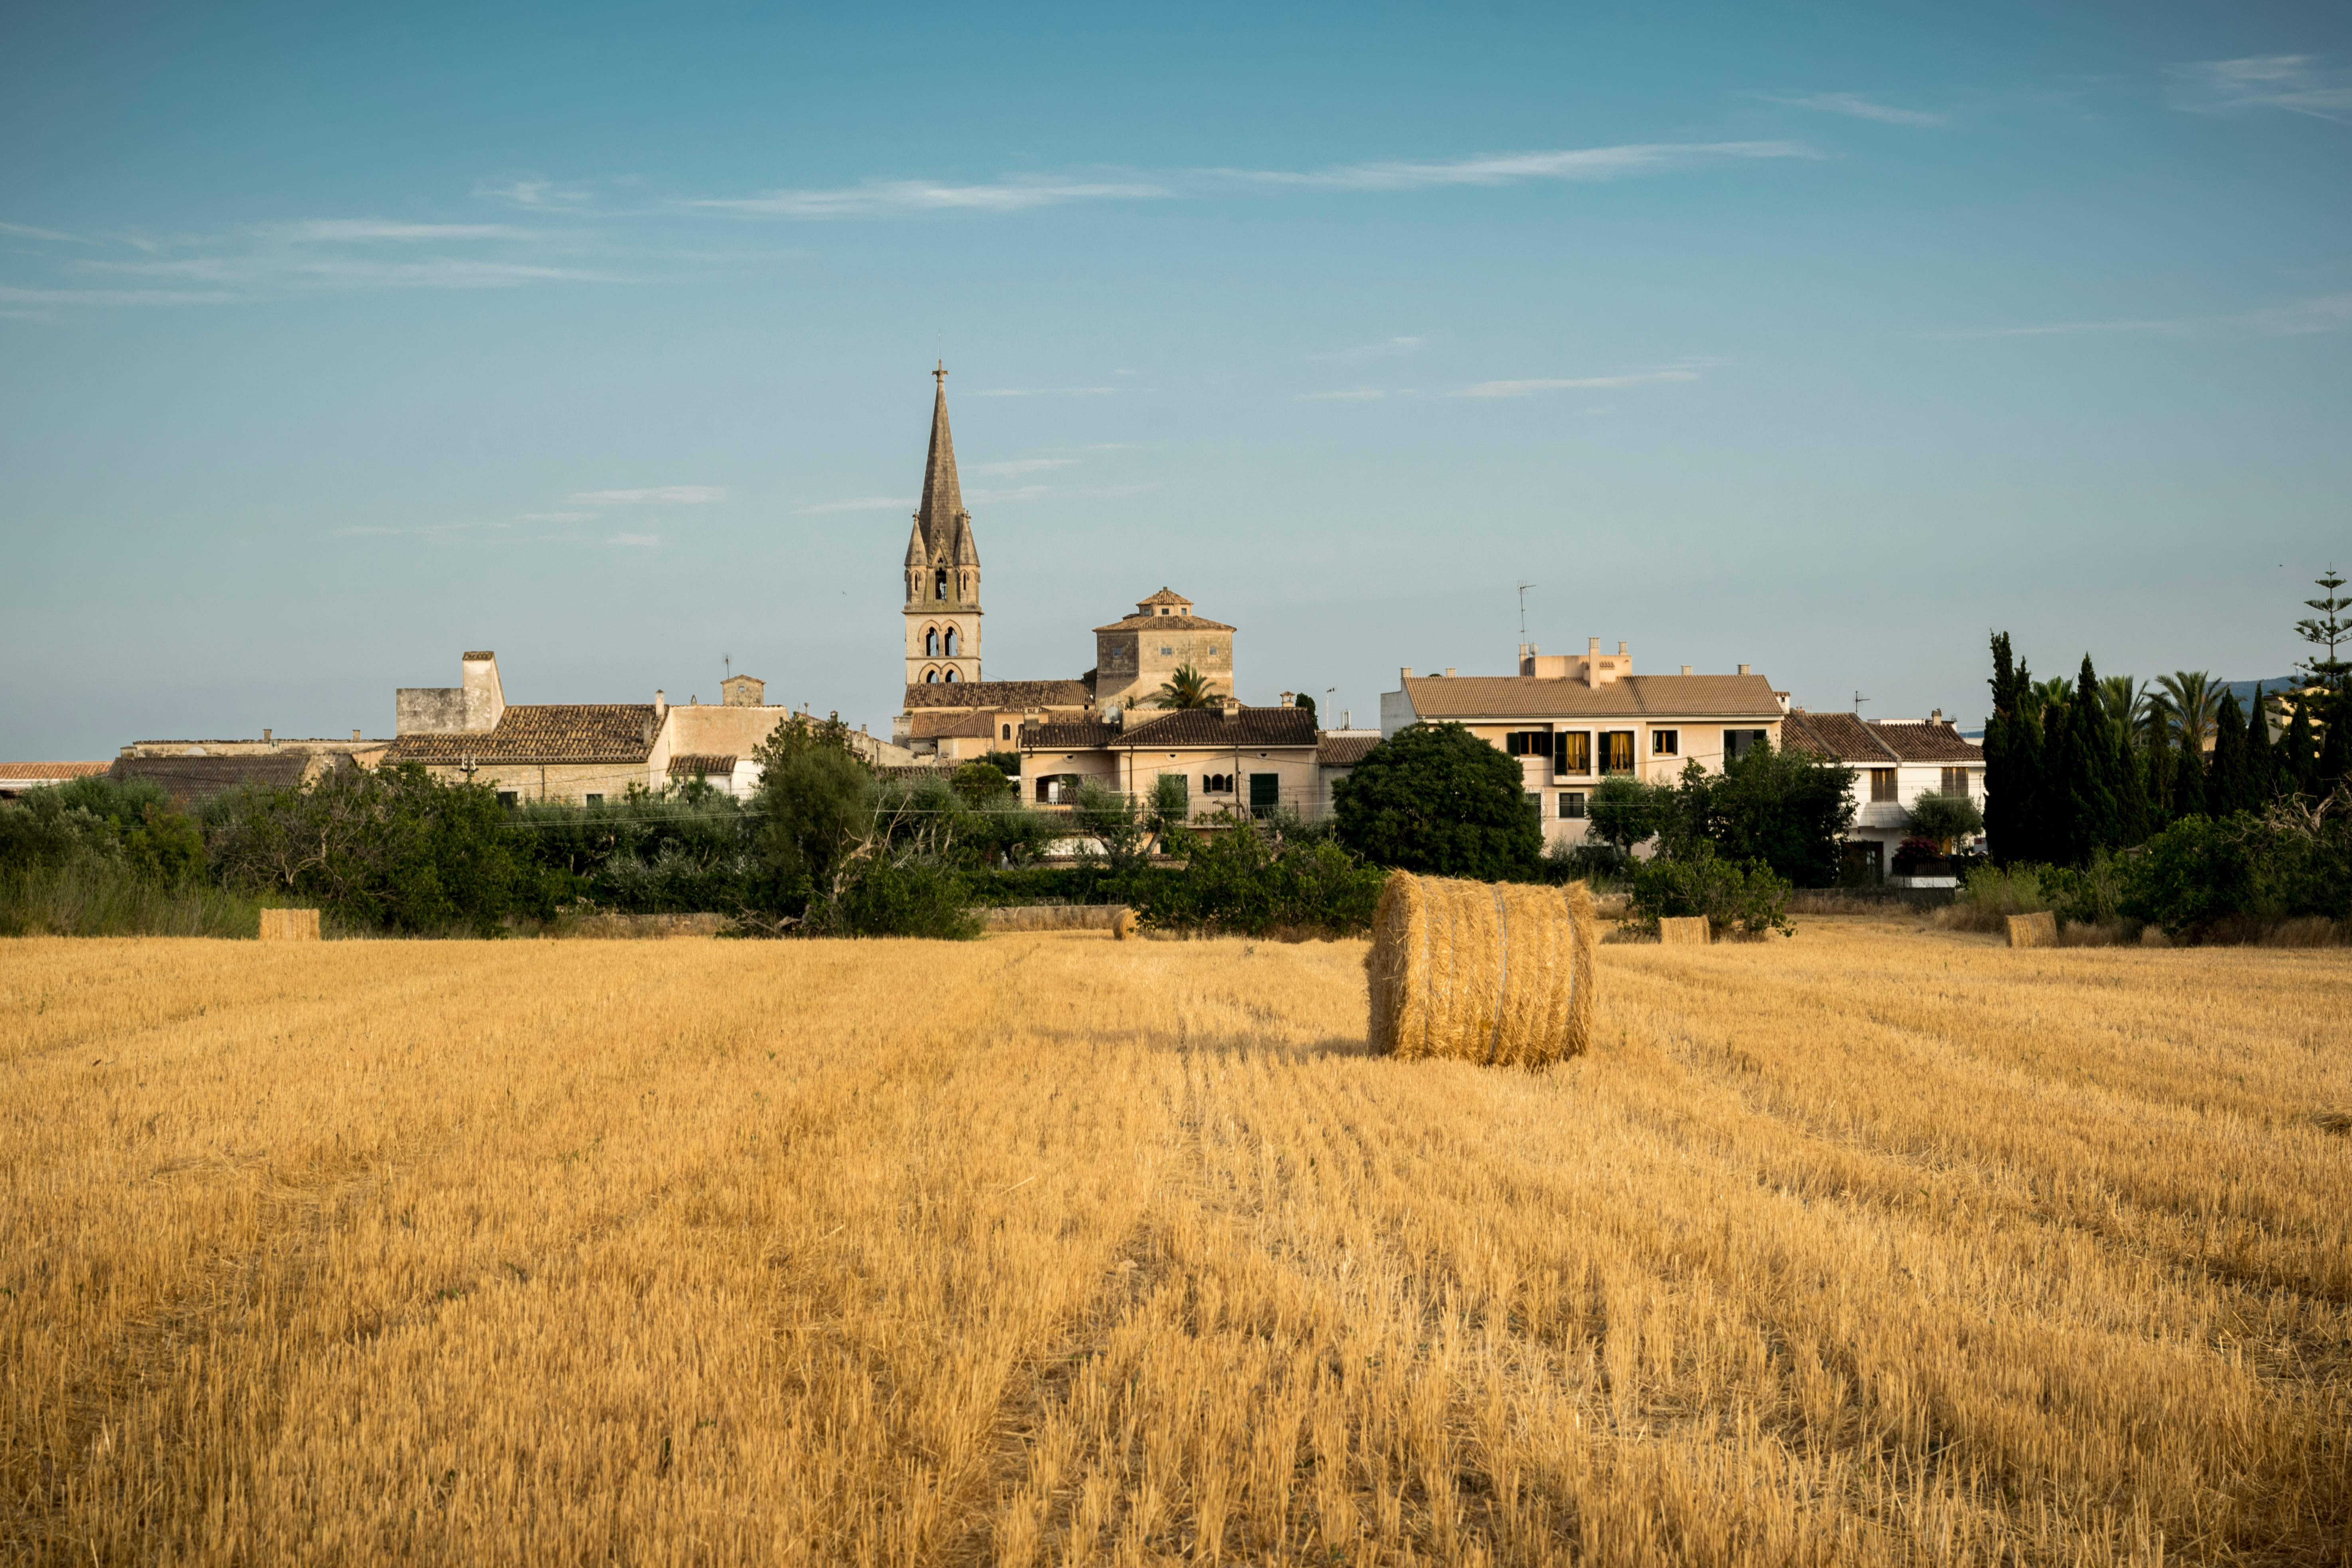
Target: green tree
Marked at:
1623, 811
1788, 810
1187, 687
2261, 757
2190, 701
2190, 797
1112, 818
980, 781
2159, 774
1436, 798
2298, 751
2135, 816
2083, 780
1943, 818
814, 808
2226, 787
2013, 749
2326, 630
2336, 745
1307, 703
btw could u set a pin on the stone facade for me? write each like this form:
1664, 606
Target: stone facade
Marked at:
941, 615
1136, 655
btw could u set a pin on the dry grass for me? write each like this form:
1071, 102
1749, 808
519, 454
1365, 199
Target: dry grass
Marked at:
1872, 1247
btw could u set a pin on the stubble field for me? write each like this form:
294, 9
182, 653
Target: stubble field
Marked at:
1876, 1245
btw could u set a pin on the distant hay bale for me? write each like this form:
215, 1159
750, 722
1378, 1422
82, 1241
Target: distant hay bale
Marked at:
1494, 972
1122, 925
1684, 931
290, 925
2033, 930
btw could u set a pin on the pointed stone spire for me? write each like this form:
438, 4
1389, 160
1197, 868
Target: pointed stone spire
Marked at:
916, 555
966, 549
942, 496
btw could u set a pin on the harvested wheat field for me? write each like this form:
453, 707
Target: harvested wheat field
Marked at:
1876, 1246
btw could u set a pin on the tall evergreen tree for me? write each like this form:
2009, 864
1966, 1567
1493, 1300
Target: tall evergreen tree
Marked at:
2262, 760
2298, 756
2189, 792
2135, 820
2013, 754
2335, 746
2159, 773
2081, 784
2328, 630
2225, 786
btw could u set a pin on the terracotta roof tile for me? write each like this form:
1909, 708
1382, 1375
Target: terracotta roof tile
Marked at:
1344, 751
700, 764
1931, 743
199, 779
1165, 596
952, 726
27, 772
1167, 623
1208, 728
997, 695
541, 733
1841, 737
1476, 697
1067, 735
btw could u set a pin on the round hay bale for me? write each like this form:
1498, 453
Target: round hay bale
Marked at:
1497, 973
1122, 925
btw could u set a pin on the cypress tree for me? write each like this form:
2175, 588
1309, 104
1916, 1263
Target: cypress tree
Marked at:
2261, 781
2134, 818
2081, 783
2013, 749
2159, 773
2335, 748
2299, 759
2189, 794
2225, 789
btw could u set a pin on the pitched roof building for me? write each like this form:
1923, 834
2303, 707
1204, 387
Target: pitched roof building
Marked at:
1895, 760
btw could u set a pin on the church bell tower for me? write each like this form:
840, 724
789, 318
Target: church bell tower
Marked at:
942, 611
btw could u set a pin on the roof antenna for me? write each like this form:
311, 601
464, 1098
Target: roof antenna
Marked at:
1858, 700
1524, 586
729, 660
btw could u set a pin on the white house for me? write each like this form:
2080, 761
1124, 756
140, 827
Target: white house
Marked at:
1895, 760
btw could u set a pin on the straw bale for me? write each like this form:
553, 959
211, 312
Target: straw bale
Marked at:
290, 925
1122, 925
1684, 931
1494, 973
2033, 930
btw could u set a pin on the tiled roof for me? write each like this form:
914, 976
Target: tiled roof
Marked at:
199, 779
1931, 743
700, 764
1344, 751
1841, 737
1208, 728
1476, 697
995, 695
541, 733
1067, 735
1167, 623
952, 726
919, 773
29, 772
1165, 596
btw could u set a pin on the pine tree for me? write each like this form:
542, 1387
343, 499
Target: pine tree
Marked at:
2159, 773
2013, 751
2261, 783
2134, 818
2326, 630
2082, 782
2298, 758
2225, 786
2189, 792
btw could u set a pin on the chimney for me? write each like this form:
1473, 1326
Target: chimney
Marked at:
1406, 673
1936, 716
1592, 663
1745, 670
661, 706
1686, 669
1290, 699
1233, 709
1449, 672
355, 734
1621, 650
485, 697
265, 735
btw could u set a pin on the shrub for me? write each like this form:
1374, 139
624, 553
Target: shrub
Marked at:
979, 782
1750, 898
915, 898
1436, 798
1914, 853
1944, 819
1246, 879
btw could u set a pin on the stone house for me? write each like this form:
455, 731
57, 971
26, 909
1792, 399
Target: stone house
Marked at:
1135, 655
1573, 721
1895, 760
1229, 757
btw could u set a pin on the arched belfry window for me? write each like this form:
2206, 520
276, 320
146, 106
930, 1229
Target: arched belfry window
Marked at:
930, 677
930, 641
952, 642
950, 677
939, 583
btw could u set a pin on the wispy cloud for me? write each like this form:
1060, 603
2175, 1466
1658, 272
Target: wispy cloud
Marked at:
1049, 392
1387, 348
1019, 466
1346, 395
536, 195
677, 495
28, 232
360, 230
1019, 493
11, 295
640, 541
863, 503
1573, 384
1510, 168
283, 270
884, 198
2292, 82
1859, 106
557, 516
2323, 313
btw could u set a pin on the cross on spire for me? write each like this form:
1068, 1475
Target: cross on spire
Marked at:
940, 375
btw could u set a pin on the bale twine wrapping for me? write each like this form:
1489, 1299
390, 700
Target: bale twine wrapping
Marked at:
1493, 972
2038, 930
1684, 931
290, 925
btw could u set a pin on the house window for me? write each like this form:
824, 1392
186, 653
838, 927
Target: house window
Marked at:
592, 800
1955, 781
1571, 803
1166, 651
931, 642
1738, 743
939, 583
1528, 742
952, 642
1617, 750
1881, 785
1008, 731
1266, 793
1665, 742
506, 797
1216, 784
1573, 751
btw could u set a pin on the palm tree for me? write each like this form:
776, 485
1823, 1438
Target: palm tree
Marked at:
1188, 688
2131, 707
2191, 704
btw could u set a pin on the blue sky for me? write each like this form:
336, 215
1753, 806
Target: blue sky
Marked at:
334, 342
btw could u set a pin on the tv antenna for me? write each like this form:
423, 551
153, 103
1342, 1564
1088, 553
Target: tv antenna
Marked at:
1858, 700
1524, 586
